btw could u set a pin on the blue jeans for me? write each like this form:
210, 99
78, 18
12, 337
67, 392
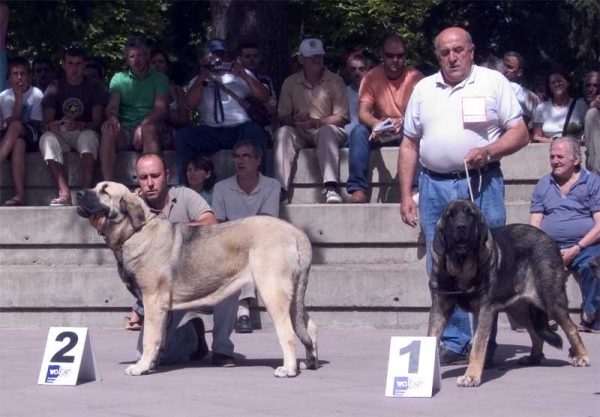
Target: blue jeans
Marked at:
590, 285
359, 156
434, 194
207, 140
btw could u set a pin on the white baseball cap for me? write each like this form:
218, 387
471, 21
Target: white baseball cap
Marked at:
311, 46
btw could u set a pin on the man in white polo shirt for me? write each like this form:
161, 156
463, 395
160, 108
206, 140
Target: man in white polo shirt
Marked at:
246, 194
462, 114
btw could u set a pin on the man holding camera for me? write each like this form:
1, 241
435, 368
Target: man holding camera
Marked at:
225, 119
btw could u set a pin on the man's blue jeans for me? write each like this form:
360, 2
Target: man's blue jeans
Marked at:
590, 285
434, 194
359, 155
207, 140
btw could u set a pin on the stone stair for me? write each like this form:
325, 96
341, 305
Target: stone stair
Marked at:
368, 269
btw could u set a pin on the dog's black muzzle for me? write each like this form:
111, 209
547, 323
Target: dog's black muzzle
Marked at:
89, 204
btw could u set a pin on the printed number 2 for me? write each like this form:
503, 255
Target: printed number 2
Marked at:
60, 356
414, 351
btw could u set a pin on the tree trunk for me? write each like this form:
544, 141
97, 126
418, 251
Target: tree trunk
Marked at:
263, 22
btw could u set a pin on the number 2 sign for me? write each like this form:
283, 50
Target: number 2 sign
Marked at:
413, 367
69, 357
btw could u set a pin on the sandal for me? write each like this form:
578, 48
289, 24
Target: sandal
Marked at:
589, 327
13, 202
61, 202
132, 325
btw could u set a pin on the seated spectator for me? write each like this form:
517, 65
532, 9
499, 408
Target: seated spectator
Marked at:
247, 193
513, 68
43, 72
136, 108
225, 120
73, 109
4, 17
310, 120
179, 115
384, 93
591, 94
201, 177
555, 118
539, 86
182, 205
356, 67
20, 118
566, 205
95, 68
250, 57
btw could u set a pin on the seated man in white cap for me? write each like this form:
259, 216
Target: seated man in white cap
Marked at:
313, 109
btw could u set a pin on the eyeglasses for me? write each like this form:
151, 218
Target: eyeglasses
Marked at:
390, 55
243, 157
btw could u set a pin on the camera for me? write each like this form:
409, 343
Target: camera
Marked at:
217, 64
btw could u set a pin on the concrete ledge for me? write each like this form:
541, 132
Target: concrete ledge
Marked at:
330, 287
325, 224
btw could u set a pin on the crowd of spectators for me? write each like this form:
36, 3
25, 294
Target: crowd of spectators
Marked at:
367, 106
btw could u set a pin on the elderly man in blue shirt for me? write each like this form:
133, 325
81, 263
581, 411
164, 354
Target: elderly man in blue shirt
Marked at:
566, 205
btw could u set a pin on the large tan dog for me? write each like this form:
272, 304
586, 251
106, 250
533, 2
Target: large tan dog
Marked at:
174, 266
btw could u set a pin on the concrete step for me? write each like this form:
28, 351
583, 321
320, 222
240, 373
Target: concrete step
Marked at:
357, 296
361, 224
525, 167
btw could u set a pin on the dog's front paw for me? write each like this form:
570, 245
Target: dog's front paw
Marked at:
136, 370
309, 364
466, 381
283, 372
580, 361
531, 360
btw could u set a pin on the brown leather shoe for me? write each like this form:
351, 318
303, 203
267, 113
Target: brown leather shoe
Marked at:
358, 197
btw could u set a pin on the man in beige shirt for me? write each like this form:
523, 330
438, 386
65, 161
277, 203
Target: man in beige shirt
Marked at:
313, 109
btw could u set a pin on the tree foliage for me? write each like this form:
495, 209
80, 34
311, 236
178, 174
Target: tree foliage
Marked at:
563, 32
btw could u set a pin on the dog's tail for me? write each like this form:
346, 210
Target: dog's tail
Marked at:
305, 328
539, 319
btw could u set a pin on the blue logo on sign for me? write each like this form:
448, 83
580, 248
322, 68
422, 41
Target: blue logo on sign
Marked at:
54, 371
403, 383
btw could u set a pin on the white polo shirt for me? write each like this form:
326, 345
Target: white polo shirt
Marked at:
435, 115
230, 202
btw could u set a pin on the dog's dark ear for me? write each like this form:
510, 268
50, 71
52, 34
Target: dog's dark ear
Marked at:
438, 246
131, 206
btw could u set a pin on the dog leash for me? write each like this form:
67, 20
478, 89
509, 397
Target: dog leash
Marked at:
469, 181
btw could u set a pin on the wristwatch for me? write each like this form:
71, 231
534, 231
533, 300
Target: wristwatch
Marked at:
488, 157
580, 246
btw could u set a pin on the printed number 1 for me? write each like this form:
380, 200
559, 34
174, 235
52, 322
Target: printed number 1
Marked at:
60, 357
414, 351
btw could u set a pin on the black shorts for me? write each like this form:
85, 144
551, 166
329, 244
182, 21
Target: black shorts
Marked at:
32, 136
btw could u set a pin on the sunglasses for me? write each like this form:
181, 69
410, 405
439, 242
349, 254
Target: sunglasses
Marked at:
74, 50
390, 55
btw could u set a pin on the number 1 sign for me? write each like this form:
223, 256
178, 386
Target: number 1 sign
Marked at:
413, 367
69, 357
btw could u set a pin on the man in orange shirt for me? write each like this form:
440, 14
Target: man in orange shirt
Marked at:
384, 93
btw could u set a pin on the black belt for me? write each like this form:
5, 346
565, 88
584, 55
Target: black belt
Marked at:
457, 175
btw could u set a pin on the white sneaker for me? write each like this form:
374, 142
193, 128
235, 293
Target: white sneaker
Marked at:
331, 195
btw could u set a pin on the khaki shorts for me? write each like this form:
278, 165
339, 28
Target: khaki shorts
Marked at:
53, 145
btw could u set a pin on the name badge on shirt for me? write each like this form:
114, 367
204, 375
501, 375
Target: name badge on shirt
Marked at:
474, 109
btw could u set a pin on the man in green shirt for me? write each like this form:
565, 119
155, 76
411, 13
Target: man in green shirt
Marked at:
137, 106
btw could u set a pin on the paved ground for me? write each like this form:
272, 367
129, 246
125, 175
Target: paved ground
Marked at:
350, 381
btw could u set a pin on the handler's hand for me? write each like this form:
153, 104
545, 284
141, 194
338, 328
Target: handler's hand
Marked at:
569, 254
409, 211
98, 222
476, 158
